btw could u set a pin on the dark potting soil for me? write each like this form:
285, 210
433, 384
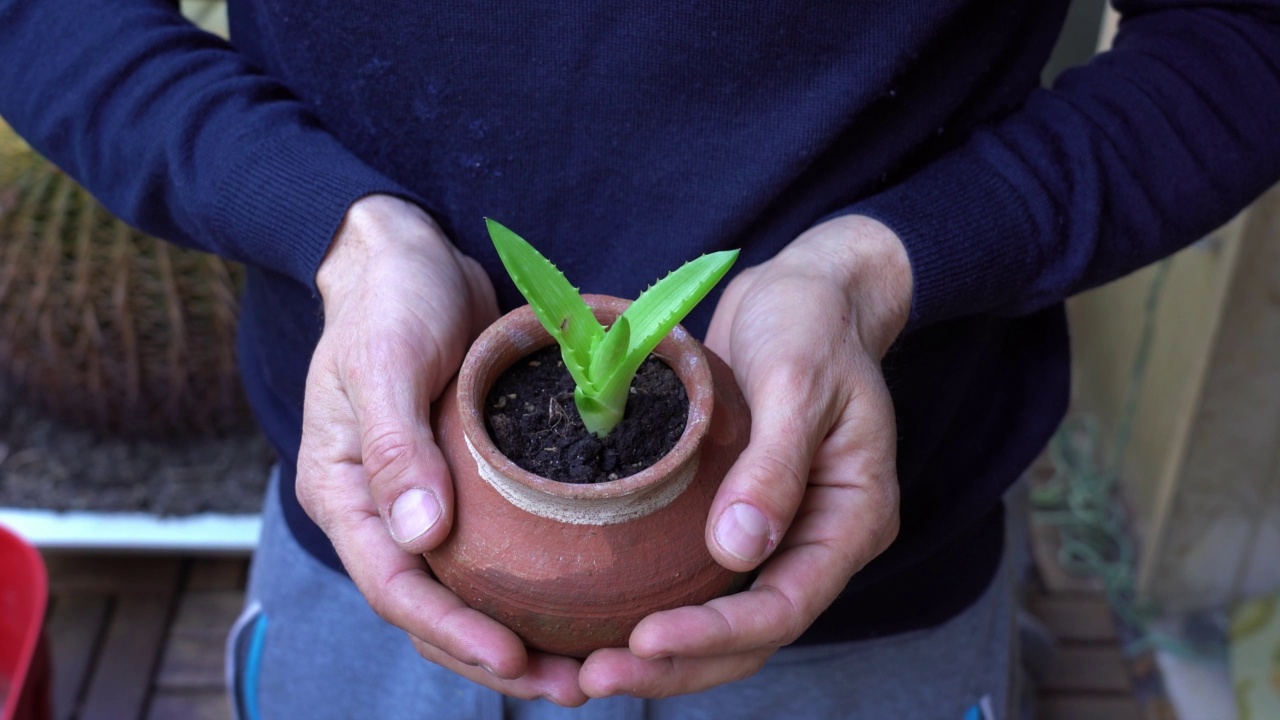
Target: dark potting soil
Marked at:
49, 465
532, 419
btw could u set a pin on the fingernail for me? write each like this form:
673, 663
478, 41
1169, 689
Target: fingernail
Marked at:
743, 532
413, 513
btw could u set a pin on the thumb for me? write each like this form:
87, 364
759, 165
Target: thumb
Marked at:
408, 478
762, 491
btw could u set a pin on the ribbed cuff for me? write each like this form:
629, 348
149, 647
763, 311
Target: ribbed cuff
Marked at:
282, 204
969, 235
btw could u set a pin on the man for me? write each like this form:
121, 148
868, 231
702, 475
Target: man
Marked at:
912, 209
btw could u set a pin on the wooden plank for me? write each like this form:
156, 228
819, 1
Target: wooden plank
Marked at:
193, 662
1088, 707
75, 629
111, 573
121, 685
1159, 708
1076, 618
198, 705
1088, 669
218, 574
208, 611
193, 657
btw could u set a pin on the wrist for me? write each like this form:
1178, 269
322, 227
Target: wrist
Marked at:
372, 227
875, 271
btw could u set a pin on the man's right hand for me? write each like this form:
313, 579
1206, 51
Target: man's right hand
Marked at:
401, 307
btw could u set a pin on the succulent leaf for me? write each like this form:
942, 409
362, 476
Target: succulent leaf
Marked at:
557, 304
611, 351
666, 302
599, 414
603, 364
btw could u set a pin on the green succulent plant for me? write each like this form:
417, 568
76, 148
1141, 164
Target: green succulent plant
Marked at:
604, 362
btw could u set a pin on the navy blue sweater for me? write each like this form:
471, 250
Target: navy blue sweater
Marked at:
651, 132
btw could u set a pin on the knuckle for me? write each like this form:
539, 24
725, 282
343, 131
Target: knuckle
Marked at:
801, 391
793, 629
381, 354
302, 489
782, 635
438, 629
522, 693
388, 452
776, 467
788, 621
792, 378
306, 491
423, 649
379, 605
889, 528
381, 598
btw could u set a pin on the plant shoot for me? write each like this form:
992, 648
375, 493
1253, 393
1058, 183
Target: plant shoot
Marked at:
603, 363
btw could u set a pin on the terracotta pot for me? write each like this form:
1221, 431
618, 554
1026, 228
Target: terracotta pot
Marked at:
572, 568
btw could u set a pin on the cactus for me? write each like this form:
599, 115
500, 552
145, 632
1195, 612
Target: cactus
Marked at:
104, 326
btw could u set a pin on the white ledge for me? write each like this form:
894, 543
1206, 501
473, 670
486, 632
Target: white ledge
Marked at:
87, 530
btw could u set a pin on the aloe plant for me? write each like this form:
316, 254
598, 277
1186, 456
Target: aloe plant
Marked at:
604, 362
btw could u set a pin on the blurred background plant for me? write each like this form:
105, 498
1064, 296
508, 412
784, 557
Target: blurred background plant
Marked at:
104, 326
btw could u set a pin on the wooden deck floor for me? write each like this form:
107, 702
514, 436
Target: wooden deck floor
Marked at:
136, 638
141, 638
1091, 677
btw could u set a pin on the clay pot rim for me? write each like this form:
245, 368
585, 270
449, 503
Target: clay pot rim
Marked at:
520, 328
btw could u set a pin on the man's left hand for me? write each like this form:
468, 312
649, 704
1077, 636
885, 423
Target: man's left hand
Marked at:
815, 493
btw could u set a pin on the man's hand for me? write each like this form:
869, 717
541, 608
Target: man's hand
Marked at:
401, 307
816, 489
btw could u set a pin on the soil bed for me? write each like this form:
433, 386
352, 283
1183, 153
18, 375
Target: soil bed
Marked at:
48, 465
531, 416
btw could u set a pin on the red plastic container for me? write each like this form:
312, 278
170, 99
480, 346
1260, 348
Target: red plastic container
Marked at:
24, 664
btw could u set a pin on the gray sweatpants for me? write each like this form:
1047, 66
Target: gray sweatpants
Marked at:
308, 646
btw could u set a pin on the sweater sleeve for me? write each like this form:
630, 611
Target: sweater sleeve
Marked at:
176, 132
1142, 151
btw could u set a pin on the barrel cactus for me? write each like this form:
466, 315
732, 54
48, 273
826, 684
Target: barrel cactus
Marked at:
105, 326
